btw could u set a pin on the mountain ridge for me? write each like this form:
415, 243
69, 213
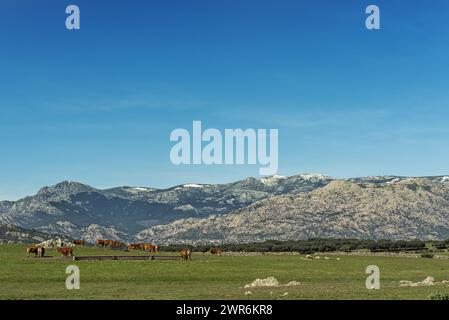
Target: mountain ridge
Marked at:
248, 210
78, 210
399, 208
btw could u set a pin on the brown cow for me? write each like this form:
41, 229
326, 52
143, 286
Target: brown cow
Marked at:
186, 254
109, 243
215, 251
148, 247
65, 251
40, 252
183, 253
101, 242
79, 242
151, 247
135, 246
31, 250
116, 244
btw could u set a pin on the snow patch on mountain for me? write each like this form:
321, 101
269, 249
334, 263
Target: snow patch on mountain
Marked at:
141, 189
192, 185
313, 176
272, 179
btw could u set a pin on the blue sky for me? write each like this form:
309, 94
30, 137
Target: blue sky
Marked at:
98, 105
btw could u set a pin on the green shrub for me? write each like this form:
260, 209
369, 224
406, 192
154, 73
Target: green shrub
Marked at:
439, 296
427, 255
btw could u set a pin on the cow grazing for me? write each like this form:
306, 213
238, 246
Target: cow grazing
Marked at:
64, 251
31, 250
151, 247
215, 251
101, 242
79, 242
39, 251
116, 244
135, 246
148, 247
110, 243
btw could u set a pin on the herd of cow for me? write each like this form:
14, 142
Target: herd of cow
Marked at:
132, 246
39, 251
186, 254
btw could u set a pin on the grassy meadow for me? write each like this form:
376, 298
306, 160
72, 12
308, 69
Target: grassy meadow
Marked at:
210, 277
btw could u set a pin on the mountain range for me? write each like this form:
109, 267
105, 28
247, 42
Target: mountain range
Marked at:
284, 208
13, 234
76, 210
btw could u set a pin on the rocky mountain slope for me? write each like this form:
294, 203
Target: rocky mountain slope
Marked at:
80, 211
13, 234
365, 208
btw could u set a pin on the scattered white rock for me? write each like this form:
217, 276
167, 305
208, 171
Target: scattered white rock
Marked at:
285, 294
393, 181
429, 281
267, 282
270, 282
327, 258
248, 293
55, 243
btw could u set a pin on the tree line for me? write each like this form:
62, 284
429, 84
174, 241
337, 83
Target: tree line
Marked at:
311, 246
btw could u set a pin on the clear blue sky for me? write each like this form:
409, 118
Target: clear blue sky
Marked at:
98, 105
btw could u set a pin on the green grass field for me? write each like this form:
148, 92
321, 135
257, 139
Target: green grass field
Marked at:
210, 277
